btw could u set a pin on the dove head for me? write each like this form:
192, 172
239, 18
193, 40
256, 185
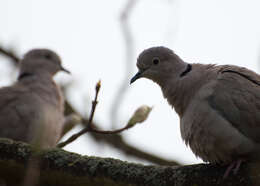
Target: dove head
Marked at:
158, 64
41, 61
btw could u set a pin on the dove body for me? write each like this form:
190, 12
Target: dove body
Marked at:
218, 106
32, 109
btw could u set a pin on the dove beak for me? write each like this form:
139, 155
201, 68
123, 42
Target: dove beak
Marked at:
136, 76
64, 70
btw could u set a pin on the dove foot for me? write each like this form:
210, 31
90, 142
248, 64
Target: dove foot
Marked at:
235, 165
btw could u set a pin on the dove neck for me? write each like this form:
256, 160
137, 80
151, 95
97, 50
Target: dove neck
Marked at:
34, 74
179, 91
38, 82
43, 85
24, 75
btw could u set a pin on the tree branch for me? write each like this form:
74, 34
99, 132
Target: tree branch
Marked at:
62, 168
129, 50
118, 142
88, 126
10, 54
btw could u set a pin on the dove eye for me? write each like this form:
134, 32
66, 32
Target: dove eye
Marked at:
156, 61
47, 56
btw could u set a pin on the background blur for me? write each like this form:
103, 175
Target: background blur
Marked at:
99, 39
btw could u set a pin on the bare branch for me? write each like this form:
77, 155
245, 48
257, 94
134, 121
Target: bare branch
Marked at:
89, 123
118, 142
129, 50
62, 168
9, 54
140, 115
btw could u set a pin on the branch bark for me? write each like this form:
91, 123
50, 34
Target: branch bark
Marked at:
62, 168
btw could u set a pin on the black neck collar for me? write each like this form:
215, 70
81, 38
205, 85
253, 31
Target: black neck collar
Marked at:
24, 75
186, 71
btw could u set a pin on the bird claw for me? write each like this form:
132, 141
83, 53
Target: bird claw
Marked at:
235, 165
238, 163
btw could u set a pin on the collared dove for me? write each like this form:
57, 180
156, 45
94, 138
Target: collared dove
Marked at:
218, 105
31, 110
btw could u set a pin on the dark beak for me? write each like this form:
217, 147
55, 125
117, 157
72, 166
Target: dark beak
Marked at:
137, 76
64, 70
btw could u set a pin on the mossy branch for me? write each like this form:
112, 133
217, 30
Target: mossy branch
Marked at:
62, 168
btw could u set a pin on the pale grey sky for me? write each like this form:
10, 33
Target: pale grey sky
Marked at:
87, 35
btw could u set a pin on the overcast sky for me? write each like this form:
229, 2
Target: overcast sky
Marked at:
88, 37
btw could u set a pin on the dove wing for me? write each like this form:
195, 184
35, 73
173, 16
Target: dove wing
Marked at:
16, 114
236, 97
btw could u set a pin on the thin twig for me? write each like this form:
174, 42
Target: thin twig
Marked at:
109, 131
10, 54
129, 52
88, 126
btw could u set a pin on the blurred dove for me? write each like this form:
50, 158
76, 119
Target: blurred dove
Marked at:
218, 106
31, 110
